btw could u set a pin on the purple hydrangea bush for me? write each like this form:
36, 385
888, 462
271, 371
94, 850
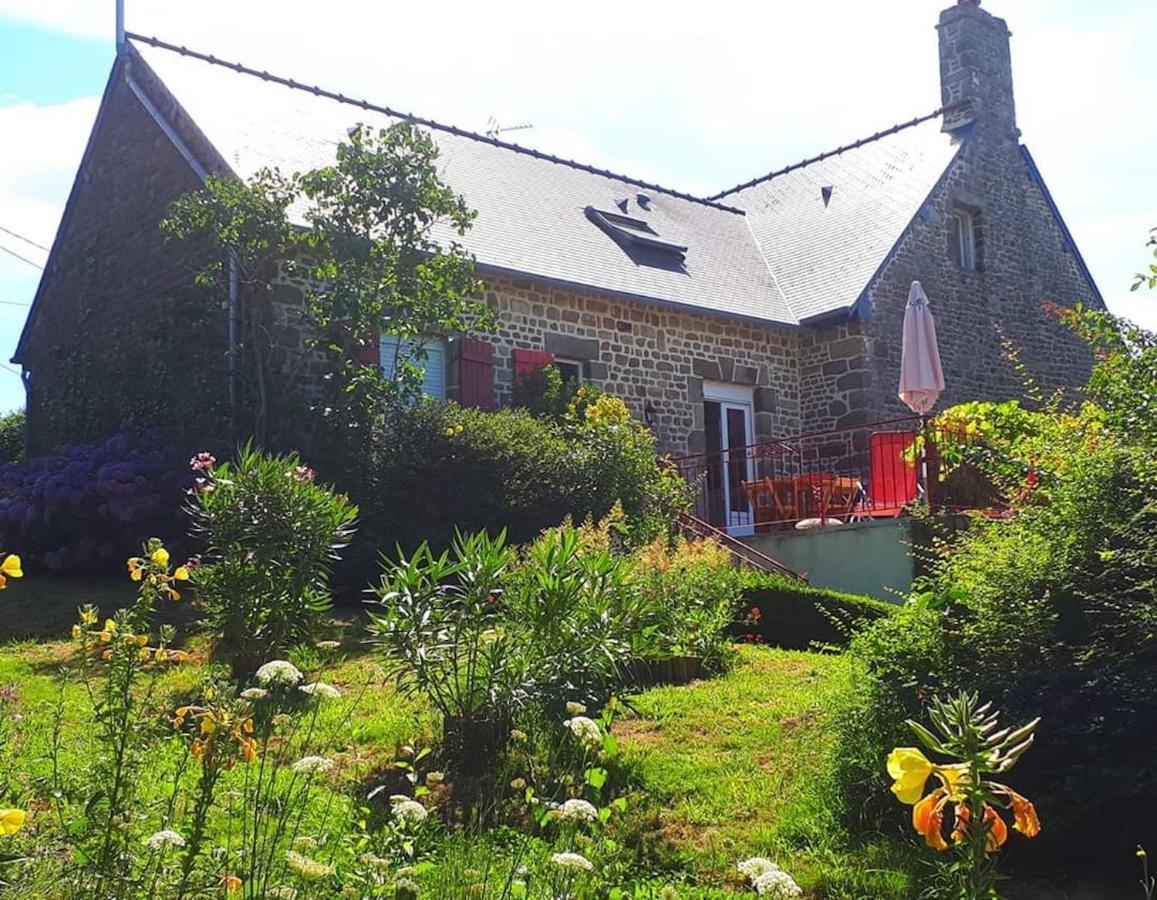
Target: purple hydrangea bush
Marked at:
86, 507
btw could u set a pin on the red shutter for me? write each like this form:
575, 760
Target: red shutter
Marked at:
476, 374
370, 353
530, 361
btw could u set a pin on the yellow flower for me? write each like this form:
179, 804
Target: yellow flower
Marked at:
11, 821
911, 770
110, 626
161, 556
76, 632
136, 568
208, 726
11, 566
232, 883
181, 573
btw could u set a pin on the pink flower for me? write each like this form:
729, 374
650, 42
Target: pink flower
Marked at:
202, 462
302, 473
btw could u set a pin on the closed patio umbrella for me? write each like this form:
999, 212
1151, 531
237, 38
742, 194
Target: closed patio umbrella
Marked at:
921, 378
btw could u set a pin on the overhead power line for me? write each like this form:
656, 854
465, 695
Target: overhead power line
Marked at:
14, 303
23, 238
25, 259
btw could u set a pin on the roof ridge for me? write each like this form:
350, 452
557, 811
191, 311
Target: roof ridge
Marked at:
852, 146
428, 123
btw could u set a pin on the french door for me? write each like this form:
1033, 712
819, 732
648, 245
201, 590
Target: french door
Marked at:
727, 425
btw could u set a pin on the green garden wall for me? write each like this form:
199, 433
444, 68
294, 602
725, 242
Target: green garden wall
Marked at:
872, 558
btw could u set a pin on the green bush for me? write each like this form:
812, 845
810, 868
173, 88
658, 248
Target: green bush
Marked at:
12, 435
1048, 612
270, 536
694, 590
440, 468
482, 633
795, 616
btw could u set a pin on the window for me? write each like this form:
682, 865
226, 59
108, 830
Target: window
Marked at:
433, 366
963, 239
636, 234
569, 369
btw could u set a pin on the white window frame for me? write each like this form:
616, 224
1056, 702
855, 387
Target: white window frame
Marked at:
577, 364
739, 398
965, 239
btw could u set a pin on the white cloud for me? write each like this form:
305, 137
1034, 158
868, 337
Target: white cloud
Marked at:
39, 157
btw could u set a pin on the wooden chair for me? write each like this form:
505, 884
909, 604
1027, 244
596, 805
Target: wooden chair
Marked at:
761, 496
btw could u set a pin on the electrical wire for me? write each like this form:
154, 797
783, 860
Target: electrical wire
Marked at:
22, 259
23, 238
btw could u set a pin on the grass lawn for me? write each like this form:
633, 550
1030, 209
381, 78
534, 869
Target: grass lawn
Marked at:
722, 769
735, 762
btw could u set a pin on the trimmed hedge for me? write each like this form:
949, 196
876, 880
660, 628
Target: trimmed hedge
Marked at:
796, 616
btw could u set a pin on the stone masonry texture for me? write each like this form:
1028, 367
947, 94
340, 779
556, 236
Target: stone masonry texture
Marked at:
123, 333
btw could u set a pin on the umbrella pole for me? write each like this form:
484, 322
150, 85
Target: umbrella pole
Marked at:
924, 462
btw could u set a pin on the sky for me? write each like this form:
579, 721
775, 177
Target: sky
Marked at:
695, 96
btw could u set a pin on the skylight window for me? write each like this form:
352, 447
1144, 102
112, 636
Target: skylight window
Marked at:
635, 233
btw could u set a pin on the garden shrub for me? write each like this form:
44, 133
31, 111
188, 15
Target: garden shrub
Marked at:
797, 616
271, 535
1048, 612
580, 618
88, 506
440, 623
438, 468
12, 436
694, 590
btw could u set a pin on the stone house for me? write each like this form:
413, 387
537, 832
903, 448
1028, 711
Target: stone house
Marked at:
771, 309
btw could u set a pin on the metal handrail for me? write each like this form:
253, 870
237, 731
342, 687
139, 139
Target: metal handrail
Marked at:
785, 443
740, 552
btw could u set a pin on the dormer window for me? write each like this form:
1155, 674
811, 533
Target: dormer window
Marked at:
636, 234
964, 238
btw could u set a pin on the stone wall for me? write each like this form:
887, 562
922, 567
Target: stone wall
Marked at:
1024, 259
121, 333
650, 354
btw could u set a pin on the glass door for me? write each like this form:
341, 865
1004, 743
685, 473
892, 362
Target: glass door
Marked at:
728, 431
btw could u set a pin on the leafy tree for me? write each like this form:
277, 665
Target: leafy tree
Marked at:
1148, 278
372, 241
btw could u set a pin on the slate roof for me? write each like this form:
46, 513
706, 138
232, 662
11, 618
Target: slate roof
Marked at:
769, 251
825, 251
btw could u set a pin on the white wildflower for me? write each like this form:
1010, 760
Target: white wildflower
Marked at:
575, 862
320, 689
309, 869
756, 866
586, 730
778, 885
435, 778
578, 811
310, 765
254, 694
328, 645
410, 811
279, 671
574, 708
163, 839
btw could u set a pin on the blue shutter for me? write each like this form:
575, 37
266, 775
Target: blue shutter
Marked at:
434, 366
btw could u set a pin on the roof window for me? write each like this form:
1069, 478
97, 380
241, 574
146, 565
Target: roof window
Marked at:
634, 233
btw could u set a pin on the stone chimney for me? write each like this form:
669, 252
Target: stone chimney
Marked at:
976, 70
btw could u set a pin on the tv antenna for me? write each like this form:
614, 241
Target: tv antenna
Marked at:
494, 128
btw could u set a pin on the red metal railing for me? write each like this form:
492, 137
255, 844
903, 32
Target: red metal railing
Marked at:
871, 471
